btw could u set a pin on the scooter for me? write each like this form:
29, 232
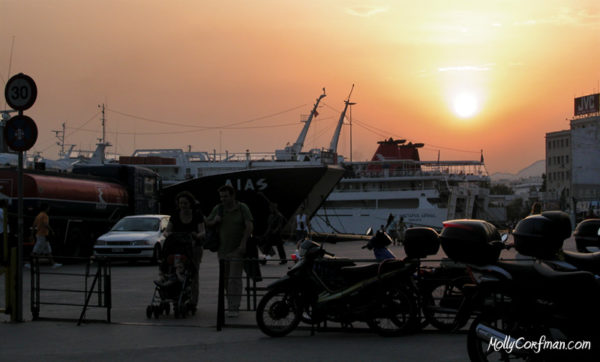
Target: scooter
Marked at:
379, 243
316, 289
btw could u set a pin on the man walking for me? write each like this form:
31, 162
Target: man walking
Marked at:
235, 224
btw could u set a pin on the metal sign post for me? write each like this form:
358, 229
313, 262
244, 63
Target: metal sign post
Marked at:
20, 133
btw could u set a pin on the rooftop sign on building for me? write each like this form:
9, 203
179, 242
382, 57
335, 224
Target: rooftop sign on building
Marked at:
587, 104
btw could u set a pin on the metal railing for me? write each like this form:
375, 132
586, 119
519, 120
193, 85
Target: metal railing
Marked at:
51, 289
254, 285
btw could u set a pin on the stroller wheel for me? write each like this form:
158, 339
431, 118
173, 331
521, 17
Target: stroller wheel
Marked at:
166, 308
149, 311
156, 311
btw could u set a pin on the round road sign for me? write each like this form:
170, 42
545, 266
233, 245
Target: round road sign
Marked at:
20, 133
20, 92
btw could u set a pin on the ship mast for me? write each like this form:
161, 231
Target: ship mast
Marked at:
100, 152
297, 146
290, 153
338, 129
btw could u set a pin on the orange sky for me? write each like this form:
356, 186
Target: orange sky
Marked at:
178, 66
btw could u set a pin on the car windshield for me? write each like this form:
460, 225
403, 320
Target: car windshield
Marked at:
137, 224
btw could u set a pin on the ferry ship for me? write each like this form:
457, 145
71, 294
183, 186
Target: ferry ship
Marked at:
397, 184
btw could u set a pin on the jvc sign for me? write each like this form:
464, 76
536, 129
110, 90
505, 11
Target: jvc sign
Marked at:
587, 104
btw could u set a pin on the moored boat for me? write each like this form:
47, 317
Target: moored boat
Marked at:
397, 184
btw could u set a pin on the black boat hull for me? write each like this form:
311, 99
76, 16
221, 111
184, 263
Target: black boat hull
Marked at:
294, 189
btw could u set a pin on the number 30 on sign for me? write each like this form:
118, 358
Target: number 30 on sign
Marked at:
20, 92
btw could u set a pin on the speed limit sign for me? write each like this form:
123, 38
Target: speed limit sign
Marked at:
20, 92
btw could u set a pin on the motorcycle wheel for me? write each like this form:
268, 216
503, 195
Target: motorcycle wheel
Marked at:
442, 301
398, 314
278, 312
479, 347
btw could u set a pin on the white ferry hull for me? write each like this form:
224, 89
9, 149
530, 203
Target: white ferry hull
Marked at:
357, 221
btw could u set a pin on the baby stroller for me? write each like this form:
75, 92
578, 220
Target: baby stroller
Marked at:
177, 270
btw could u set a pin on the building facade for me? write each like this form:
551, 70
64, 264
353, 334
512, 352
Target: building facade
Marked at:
558, 168
573, 161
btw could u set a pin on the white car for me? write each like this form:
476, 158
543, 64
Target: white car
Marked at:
134, 237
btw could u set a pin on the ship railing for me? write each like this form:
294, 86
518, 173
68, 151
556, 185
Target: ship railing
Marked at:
419, 173
417, 168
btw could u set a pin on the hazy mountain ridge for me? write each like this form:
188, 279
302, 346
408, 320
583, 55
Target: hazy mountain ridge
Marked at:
536, 169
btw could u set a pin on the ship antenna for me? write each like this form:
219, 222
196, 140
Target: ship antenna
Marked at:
60, 135
12, 45
5, 114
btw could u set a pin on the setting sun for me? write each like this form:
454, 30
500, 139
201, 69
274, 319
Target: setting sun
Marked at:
465, 105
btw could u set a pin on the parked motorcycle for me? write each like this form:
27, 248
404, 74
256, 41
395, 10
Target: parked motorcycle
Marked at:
524, 310
537, 237
320, 288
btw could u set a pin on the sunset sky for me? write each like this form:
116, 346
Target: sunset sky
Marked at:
459, 76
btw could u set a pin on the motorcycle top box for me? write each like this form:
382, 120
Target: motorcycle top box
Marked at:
586, 234
419, 242
542, 236
471, 241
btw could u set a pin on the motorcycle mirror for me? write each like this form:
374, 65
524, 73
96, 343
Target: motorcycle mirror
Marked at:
369, 232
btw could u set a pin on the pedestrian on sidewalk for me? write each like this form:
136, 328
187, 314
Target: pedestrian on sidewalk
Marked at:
272, 236
42, 228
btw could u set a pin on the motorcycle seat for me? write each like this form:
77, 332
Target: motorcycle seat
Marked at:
371, 270
567, 280
584, 261
517, 269
335, 262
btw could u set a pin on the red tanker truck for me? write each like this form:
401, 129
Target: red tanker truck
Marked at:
83, 204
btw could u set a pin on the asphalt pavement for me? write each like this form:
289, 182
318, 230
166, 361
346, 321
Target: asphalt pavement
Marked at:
131, 336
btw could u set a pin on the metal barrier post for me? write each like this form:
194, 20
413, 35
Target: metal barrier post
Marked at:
107, 288
35, 287
88, 294
221, 297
